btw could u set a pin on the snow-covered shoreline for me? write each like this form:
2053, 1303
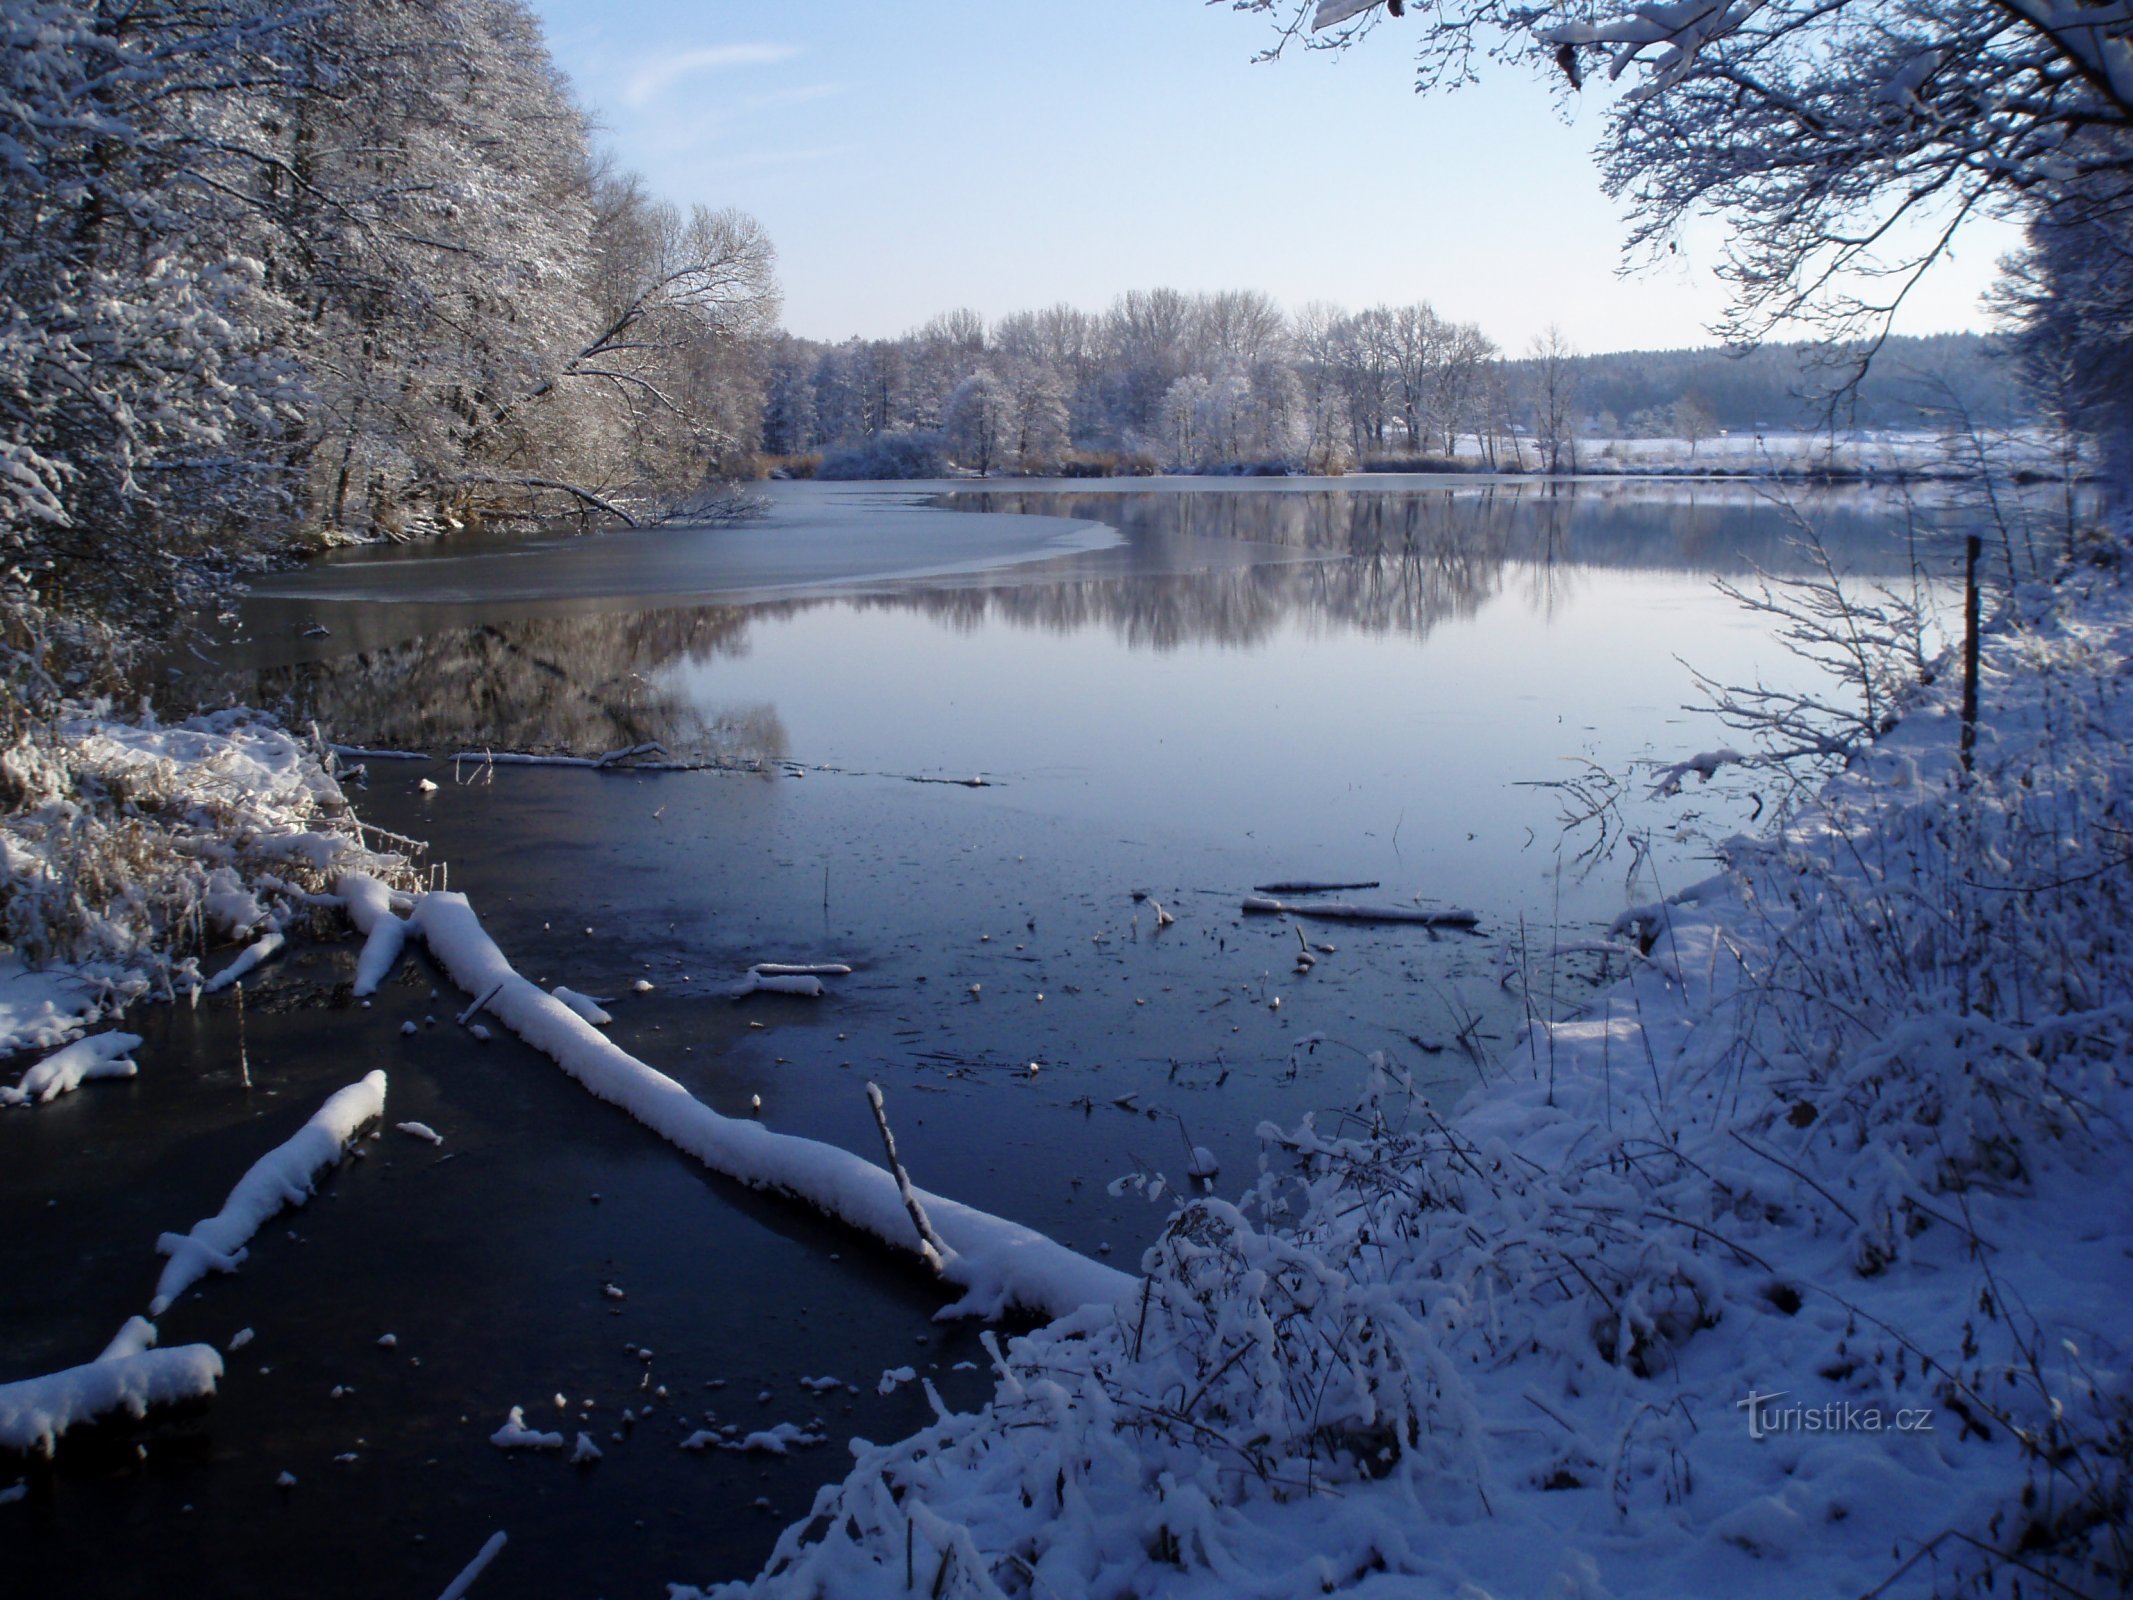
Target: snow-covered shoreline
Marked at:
143, 844
1795, 1264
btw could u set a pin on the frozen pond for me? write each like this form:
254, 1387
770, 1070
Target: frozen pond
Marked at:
1170, 689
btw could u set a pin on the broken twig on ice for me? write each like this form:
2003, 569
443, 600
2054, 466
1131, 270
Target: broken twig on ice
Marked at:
930, 1245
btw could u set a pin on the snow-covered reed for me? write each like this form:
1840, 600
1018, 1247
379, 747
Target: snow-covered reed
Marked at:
129, 848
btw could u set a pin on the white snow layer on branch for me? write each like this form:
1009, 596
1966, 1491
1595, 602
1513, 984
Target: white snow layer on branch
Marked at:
998, 1263
583, 1004
808, 969
267, 944
136, 1335
770, 983
370, 908
1332, 13
1350, 911
282, 1177
129, 1376
106, 1055
458, 1587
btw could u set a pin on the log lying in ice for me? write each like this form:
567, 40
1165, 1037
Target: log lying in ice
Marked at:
267, 944
129, 1376
282, 1177
809, 969
519, 758
473, 1569
383, 932
771, 983
1349, 911
1308, 887
357, 752
997, 1263
103, 1055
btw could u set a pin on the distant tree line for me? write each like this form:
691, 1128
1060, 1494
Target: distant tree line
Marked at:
1912, 383
1164, 380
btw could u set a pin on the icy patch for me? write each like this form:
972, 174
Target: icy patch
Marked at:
895, 1378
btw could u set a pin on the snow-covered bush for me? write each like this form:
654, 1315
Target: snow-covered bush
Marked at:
917, 454
135, 847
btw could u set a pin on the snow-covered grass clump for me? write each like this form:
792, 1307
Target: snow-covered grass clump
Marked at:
1796, 1264
127, 849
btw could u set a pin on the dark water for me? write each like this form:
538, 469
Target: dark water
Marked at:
1176, 692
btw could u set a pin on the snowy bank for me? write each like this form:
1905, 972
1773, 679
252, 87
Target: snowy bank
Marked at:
996, 1263
138, 845
1795, 1264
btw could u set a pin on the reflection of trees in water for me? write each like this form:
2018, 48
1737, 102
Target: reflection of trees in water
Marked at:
575, 685
1405, 591
1373, 561
1719, 529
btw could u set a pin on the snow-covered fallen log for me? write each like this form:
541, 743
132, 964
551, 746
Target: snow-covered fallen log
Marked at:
282, 1177
519, 758
267, 944
370, 908
358, 753
473, 1569
997, 1263
1350, 911
1309, 886
805, 969
104, 1055
758, 982
129, 1376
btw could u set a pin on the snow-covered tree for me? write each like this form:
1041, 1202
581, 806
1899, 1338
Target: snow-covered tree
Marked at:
1041, 416
1844, 141
1552, 399
144, 405
979, 422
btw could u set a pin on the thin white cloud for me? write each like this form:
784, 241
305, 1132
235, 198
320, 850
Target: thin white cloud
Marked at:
654, 78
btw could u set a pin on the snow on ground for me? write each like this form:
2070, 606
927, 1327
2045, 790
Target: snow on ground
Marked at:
142, 842
1796, 1264
995, 1263
284, 1176
43, 1008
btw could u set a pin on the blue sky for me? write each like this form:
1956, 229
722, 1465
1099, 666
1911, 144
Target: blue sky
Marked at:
909, 156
